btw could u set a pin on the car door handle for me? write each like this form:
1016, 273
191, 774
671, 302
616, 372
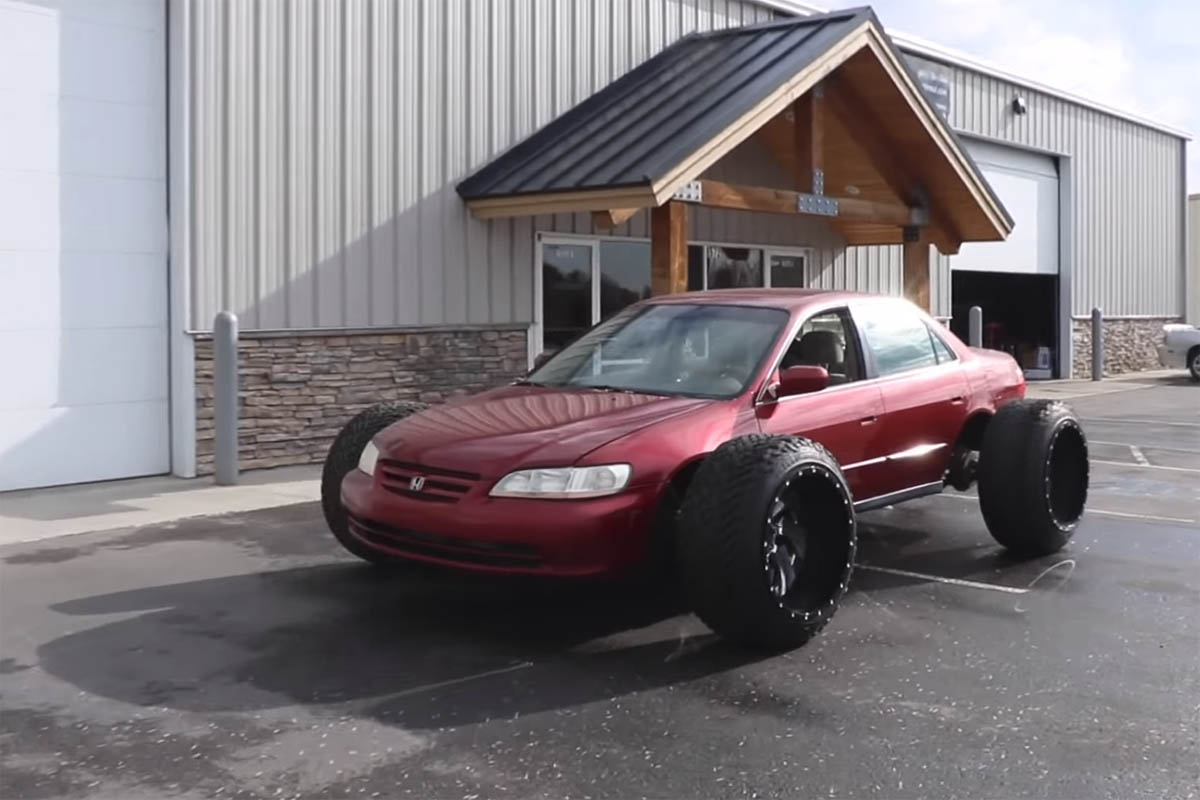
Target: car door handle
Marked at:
958, 401
871, 420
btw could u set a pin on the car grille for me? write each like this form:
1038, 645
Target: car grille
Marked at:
440, 486
464, 551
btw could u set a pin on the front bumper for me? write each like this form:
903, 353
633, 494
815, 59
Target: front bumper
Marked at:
503, 534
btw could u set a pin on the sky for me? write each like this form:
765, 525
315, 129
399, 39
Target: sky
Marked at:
1141, 56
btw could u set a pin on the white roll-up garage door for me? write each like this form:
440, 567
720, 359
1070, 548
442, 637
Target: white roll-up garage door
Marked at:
1027, 184
83, 241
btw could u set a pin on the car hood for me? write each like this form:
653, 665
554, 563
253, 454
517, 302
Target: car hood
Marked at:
492, 433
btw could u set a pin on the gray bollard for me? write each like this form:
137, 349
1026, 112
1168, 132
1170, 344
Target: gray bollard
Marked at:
1097, 344
975, 327
225, 398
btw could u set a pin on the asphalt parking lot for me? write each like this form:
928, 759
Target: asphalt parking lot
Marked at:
245, 656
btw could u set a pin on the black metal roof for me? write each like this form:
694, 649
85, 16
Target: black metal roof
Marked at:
633, 131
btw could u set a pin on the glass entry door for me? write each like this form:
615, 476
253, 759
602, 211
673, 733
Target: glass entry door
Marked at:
786, 268
568, 304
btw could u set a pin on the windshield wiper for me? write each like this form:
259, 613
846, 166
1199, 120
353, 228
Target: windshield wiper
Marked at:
526, 382
605, 387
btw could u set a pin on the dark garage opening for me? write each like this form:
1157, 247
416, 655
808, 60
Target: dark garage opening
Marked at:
1019, 315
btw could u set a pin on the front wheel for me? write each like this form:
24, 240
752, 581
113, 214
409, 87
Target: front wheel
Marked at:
1033, 476
343, 457
766, 540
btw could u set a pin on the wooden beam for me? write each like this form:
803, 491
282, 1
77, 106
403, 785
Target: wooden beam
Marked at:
808, 114
719, 194
668, 248
610, 218
916, 272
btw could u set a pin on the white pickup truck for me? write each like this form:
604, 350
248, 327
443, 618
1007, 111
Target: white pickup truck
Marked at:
1180, 347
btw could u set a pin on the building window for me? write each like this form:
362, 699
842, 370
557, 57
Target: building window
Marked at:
733, 267
584, 280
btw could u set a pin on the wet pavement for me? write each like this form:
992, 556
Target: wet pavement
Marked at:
247, 656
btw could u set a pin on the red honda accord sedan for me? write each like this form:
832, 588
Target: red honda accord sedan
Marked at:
736, 433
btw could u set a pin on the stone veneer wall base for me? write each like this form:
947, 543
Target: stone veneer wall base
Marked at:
1130, 345
296, 391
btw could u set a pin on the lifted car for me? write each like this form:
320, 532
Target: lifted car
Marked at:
733, 435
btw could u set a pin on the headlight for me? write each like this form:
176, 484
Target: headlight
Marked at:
366, 462
563, 483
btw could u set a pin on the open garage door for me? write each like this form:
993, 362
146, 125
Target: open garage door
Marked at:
1016, 281
83, 242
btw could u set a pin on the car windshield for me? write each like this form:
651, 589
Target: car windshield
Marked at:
702, 350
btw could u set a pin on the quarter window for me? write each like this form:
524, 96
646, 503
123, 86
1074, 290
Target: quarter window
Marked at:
943, 352
898, 340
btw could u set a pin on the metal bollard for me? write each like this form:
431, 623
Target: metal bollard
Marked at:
225, 398
1097, 344
975, 327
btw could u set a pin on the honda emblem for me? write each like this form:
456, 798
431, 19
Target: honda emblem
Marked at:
416, 483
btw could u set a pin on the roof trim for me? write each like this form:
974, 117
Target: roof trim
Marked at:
520, 205
957, 58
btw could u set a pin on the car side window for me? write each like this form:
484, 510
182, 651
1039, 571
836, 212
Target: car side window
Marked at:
940, 348
827, 340
898, 340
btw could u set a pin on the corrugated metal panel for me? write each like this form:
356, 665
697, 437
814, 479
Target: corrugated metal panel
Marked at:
1127, 190
328, 135
638, 128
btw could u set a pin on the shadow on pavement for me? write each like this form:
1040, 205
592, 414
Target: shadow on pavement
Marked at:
422, 649
430, 648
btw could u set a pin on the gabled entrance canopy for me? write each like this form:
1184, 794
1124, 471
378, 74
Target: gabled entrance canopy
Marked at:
829, 95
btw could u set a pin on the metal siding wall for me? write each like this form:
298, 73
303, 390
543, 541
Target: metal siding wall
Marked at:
328, 136
1127, 191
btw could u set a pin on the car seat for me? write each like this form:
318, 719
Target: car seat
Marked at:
819, 348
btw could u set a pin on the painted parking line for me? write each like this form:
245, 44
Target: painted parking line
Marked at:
1144, 466
991, 587
1138, 456
970, 498
1142, 422
1191, 451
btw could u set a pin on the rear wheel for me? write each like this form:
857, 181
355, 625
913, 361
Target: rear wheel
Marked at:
1033, 476
343, 456
766, 540
1194, 362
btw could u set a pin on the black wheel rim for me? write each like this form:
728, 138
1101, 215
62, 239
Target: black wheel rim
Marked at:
1067, 475
808, 543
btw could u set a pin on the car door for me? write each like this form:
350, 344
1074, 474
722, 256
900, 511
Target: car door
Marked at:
846, 416
924, 391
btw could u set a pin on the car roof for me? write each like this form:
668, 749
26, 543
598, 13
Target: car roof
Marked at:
790, 299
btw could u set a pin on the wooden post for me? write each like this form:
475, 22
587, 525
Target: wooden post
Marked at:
668, 248
808, 113
916, 267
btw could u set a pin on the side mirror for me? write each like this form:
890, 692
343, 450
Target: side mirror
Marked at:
541, 358
803, 379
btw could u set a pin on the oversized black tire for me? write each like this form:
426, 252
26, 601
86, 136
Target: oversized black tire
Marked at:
1193, 359
1033, 476
766, 540
342, 457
